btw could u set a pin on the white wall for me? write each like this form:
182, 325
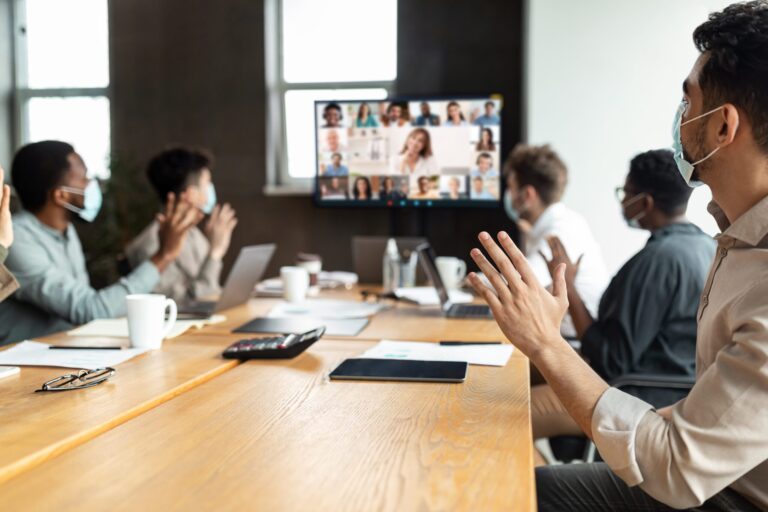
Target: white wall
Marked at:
603, 82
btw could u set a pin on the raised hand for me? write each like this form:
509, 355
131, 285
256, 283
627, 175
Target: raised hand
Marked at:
6, 225
528, 315
560, 257
219, 230
175, 222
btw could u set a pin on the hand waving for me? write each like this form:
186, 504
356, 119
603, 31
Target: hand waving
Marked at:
528, 315
560, 257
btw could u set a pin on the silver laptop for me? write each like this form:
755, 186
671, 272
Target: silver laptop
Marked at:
248, 270
451, 310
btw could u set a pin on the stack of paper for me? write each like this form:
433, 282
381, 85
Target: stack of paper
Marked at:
427, 295
325, 309
118, 327
32, 353
489, 354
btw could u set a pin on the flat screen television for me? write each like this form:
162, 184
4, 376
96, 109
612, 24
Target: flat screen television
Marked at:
410, 152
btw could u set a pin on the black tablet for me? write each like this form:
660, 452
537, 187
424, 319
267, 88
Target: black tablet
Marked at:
400, 370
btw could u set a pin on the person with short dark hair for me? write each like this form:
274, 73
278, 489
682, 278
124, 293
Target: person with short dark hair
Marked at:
489, 118
335, 168
47, 259
332, 115
484, 168
479, 190
389, 190
196, 272
536, 180
426, 118
396, 114
708, 451
646, 322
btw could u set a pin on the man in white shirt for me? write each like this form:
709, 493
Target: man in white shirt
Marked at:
709, 451
536, 180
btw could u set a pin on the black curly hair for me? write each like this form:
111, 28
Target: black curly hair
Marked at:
736, 71
655, 173
175, 169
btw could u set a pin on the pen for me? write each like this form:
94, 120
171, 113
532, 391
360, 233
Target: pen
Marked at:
62, 347
460, 343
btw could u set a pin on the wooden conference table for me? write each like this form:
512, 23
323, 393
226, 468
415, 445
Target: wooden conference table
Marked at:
182, 428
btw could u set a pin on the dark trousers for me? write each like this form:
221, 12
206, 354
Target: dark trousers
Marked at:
594, 488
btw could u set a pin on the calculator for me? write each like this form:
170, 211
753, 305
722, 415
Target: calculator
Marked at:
285, 346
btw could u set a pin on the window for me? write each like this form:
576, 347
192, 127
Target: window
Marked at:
334, 49
62, 76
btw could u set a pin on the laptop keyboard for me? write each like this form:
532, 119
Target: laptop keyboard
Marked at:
469, 311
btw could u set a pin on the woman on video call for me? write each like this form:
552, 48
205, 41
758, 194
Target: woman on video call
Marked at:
486, 141
364, 117
455, 116
416, 158
362, 190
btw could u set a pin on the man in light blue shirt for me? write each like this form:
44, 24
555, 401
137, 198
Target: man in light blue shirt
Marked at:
490, 118
485, 167
335, 169
478, 190
47, 258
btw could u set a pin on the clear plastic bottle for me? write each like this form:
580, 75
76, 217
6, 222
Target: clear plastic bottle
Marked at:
391, 266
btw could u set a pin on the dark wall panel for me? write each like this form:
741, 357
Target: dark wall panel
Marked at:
192, 72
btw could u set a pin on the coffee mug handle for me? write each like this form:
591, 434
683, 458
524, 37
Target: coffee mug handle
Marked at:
462, 269
168, 327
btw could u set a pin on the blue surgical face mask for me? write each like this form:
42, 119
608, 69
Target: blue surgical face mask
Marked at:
684, 166
210, 202
509, 207
92, 200
633, 222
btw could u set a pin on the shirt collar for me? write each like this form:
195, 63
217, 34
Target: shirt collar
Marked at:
546, 219
58, 235
751, 228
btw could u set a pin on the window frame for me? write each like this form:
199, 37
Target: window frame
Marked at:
278, 179
22, 93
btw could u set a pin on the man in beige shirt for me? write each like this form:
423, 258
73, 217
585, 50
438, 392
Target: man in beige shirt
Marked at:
196, 272
710, 450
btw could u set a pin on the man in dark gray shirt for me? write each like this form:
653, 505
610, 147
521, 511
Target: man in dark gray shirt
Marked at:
646, 321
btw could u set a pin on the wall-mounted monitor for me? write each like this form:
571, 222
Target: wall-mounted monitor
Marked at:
411, 152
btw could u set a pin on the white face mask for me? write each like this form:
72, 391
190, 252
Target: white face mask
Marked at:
684, 166
633, 222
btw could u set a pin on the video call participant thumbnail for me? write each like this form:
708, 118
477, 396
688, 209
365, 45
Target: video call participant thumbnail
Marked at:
426, 118
425, 189
452, 187
334, 188
365, 119
362, 189
332, 115
486, 140
416, 159
479, 190
485, 167
391, 188
455, 117
396, 115
335, 168
489, 118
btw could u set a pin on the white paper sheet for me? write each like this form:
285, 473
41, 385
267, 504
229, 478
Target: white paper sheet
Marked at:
427, 295
33, 353
486, 355
326, 309
118, 327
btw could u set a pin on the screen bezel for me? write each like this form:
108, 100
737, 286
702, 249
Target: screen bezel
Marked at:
408, 203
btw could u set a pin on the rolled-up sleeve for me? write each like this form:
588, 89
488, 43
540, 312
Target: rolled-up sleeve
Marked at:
715, 436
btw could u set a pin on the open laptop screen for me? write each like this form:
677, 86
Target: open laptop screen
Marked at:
427, 258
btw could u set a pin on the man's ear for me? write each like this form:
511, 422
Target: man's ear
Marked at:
728, 124
530, 194
648, 203
59, 197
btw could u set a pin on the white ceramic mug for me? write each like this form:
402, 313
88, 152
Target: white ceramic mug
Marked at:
295, 283
147, 326
452, 271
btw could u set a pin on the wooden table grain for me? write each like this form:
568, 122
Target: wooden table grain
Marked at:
278, 435
35, 427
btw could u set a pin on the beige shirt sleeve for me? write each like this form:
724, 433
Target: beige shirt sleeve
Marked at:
716, 435
8, 283
194, 275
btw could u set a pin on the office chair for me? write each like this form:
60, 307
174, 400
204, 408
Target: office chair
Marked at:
658, 390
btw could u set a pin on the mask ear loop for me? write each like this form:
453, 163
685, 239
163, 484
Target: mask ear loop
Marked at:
632, 201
